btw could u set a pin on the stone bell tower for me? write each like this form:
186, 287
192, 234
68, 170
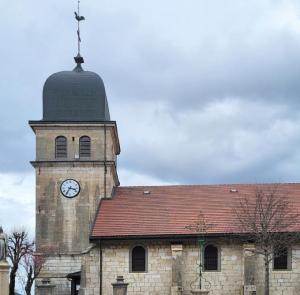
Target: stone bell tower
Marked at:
76, 152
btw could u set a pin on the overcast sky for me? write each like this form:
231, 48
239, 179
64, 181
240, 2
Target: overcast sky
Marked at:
203, 91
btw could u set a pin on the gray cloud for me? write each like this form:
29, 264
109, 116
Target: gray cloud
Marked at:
203, 91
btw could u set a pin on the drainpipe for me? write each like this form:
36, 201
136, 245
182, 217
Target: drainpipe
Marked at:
101, 274
105, 158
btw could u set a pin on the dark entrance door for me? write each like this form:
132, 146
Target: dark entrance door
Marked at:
75, 282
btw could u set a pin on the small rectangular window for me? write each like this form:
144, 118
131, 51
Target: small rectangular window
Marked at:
281, 259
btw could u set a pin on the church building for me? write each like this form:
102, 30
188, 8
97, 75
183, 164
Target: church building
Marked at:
94, 230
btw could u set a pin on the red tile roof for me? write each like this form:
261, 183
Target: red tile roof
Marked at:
168, 210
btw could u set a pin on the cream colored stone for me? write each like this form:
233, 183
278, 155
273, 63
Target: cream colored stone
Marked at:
158, 279
63, 225
4, 278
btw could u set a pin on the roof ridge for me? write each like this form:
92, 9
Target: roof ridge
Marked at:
215, 185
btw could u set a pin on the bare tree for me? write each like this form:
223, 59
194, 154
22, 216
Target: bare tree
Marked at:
268, 219
19, 245
32, 264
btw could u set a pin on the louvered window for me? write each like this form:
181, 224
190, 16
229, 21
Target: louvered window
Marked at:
84, 147
61, 147
138, 259
281, 259
211, 258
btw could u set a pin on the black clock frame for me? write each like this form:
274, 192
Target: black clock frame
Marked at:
77, 192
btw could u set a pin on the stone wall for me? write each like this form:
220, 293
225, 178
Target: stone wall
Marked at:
61, 223
285, 282
227, 281
157, 280
45, 141
90, 275
56, 269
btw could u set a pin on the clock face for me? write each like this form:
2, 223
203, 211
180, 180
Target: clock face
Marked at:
70, 188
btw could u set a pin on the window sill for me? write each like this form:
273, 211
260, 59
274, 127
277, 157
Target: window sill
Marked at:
217, 270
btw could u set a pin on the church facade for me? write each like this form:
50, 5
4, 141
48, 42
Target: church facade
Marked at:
94, 230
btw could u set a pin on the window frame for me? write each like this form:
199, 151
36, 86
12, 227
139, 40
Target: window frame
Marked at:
218, 258
289, 261
146, 258
56, 147
90, 147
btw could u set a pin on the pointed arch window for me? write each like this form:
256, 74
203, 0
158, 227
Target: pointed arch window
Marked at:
211, 258
84, 147
61, 147
138, 259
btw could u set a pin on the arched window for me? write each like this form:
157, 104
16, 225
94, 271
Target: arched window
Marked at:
211, 258
138, 259
84, 147
61, 147
281, 259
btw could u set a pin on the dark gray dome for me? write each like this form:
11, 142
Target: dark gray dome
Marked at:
75, 96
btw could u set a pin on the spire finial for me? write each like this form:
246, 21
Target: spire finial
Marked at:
78, 59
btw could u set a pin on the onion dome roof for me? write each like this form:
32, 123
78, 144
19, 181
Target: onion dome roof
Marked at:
76, 95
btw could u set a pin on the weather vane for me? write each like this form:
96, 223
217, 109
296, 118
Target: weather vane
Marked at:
79, 18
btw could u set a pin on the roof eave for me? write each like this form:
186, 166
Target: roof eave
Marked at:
158, 237
174, 236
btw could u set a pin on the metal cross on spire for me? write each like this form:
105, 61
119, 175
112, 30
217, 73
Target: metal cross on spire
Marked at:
79, 18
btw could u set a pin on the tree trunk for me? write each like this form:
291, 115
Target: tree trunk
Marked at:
29, 281
267, 274
12, 281
28, 287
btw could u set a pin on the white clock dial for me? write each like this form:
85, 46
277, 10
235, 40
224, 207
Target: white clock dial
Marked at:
70, 188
